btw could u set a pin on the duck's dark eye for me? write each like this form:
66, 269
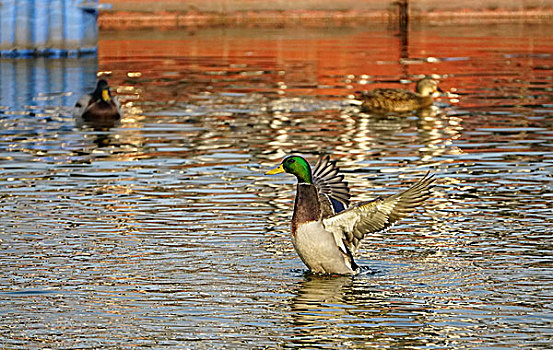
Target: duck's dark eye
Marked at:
291, 160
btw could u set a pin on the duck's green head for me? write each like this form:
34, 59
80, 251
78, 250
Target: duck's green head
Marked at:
427, 87
294, 165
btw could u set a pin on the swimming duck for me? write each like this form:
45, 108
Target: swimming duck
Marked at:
326, 230
98, 109
399, 100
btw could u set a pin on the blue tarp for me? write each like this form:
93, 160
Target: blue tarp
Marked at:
48, 27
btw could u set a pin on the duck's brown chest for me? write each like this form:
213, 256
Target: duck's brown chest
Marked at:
306, 206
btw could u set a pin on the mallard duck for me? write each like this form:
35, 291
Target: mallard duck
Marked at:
326, 229
98, 109
399, 100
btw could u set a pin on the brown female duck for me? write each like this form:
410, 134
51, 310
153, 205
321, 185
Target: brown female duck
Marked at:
399, 100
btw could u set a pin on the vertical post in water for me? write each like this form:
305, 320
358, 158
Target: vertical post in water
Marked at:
41, 85
72, 26
8, 82
41, 26
89, 27
23, 39
55, 35
7, 25
404, 27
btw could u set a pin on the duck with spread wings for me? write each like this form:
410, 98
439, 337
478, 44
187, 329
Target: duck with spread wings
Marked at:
326, 229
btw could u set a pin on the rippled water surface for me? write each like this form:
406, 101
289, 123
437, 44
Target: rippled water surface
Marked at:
164, 232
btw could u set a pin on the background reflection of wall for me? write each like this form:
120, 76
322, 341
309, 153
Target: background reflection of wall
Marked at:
42, 79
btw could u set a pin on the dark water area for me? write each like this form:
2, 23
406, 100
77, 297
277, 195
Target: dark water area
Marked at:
163, 231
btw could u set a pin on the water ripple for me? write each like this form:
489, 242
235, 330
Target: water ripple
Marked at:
164, 232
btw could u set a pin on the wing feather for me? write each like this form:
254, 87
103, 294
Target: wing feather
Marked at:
331, 184
80, 108
377, 215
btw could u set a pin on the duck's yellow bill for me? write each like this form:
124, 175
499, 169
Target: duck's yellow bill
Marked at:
105, 95
277, 170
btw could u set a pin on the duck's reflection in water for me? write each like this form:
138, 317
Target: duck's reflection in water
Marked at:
101, 134
319, 308
354, 313
431, 130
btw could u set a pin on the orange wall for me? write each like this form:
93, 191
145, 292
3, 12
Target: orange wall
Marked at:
245, 5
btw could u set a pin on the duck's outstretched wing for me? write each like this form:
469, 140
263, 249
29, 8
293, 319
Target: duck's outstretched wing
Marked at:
350, 226
331, 185
117, 104
80, 108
